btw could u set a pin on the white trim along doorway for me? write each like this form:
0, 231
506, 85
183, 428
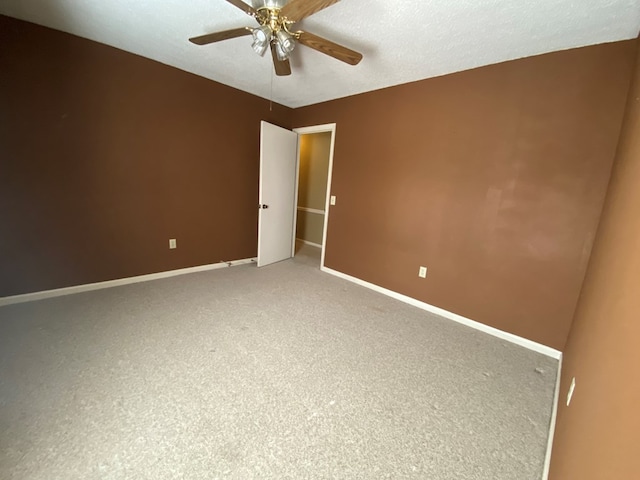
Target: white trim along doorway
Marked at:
329, 127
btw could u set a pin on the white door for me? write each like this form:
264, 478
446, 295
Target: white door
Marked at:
278, 151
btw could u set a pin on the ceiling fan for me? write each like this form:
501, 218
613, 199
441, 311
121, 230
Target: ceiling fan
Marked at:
276, 18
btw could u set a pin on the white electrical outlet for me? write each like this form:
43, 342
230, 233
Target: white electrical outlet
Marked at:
172, 243
571, 389
422, 273
332, 200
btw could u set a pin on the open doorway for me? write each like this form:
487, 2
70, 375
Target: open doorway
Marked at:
314, 165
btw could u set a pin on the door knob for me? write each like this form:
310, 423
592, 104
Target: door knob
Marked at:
263, 206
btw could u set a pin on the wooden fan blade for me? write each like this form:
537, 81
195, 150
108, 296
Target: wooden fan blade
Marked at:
296, 10
329, 48
283, 67
219, 36
248, 9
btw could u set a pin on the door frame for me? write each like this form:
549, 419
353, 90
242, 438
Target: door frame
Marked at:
327, 127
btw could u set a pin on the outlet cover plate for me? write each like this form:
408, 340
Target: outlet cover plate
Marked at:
172, 243
422, 273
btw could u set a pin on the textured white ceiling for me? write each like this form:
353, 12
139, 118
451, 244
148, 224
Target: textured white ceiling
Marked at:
402, 40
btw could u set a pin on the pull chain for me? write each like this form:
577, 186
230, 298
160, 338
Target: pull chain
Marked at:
273, 68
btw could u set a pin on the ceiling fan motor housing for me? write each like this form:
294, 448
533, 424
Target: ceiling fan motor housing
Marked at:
276, 4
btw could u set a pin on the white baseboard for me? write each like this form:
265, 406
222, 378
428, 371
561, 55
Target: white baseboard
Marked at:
307, 242
510, 337
28, 297
552, 423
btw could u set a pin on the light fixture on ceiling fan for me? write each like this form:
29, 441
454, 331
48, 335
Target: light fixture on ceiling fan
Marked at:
275, 18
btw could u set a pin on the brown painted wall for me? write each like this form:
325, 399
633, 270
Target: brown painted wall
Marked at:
493, 178
598, 435
106, 155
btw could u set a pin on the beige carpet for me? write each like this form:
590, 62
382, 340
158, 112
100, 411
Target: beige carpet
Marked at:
280, 372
